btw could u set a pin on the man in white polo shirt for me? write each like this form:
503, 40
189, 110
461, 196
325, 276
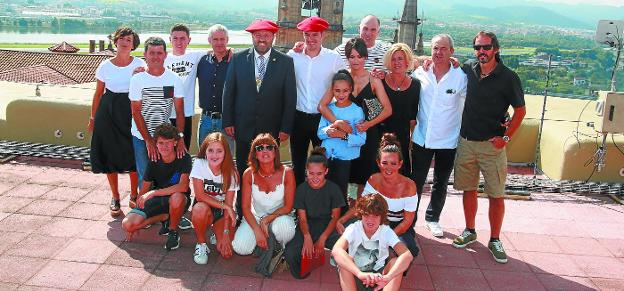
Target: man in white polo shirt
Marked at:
442, 96
314, 69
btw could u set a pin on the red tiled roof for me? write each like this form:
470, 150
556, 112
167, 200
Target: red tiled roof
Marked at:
78, 67
37, 74
63, 47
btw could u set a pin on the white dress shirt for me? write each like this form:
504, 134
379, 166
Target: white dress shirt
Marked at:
440, 108
267, 58
314, 77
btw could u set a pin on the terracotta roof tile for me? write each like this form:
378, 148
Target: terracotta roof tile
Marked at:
78, 67
37, 74
63, 47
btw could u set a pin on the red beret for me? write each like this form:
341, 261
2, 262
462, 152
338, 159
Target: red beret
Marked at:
313, 24
262, 24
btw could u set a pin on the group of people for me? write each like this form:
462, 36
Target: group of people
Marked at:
375, 115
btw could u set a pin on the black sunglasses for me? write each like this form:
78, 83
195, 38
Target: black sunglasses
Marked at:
486, 47
268, 147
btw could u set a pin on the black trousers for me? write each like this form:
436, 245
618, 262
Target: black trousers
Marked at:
304, 132
242, 153
339, 171
421, 162
188, 130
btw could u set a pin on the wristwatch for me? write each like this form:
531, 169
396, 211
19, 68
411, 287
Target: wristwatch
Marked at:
181, 134
506, 138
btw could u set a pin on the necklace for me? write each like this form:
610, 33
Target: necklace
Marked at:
266, 176
398, 86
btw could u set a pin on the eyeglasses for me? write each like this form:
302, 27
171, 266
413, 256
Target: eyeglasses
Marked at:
485, 47
268, 147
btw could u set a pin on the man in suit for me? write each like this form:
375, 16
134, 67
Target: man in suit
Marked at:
259, 94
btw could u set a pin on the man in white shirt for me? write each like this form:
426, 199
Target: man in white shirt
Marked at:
442, 96
314, 69
153, 93
184, 64
369, 31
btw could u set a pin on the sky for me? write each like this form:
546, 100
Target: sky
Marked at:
618, 3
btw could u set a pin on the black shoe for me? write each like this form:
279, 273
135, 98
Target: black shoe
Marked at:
173, 240
164, 228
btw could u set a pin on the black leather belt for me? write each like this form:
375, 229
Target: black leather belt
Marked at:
308, 114
212, 114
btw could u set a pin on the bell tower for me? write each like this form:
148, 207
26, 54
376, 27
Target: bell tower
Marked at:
291, 12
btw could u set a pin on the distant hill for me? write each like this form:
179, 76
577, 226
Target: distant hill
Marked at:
509, 11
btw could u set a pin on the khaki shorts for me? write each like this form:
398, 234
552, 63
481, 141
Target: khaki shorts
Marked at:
480, 156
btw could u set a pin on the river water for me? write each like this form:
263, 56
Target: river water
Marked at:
197, 37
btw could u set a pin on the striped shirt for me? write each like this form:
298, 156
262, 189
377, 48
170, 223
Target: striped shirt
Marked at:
375, 55
156, 95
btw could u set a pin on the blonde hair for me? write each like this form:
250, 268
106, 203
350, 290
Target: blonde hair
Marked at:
400, 47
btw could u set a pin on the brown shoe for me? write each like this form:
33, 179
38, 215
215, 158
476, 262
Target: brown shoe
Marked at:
115, 207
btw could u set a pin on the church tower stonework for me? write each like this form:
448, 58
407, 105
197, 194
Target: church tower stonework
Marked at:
291, 12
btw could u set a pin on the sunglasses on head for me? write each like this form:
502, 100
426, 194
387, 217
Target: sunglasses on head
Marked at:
262, 147
486, 47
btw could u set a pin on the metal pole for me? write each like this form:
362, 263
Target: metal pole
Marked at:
617, 61
540, 129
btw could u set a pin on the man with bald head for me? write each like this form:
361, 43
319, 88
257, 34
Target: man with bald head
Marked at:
369, 31
442, 96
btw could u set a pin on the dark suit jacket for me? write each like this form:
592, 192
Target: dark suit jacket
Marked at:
272, 108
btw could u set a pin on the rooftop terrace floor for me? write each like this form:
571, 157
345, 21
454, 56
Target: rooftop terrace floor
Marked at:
57, 233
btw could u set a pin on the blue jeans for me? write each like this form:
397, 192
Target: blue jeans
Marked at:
209, 125
140, 156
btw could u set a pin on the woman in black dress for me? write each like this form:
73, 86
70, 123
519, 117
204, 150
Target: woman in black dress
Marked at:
404, 93
110, 121
369, 94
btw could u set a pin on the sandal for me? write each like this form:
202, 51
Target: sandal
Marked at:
133, 201
115, 207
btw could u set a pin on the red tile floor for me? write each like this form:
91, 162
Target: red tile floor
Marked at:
57, 234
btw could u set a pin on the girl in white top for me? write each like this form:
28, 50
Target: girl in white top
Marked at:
363, 248
111, 142
268, 194
215, 183
398, 191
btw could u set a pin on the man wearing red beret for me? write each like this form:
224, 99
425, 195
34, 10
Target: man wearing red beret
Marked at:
259, 93
314, 69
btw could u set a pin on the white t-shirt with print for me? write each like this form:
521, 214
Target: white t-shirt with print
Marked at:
185, 66
117, 79
156, 94
366, 252
213, 184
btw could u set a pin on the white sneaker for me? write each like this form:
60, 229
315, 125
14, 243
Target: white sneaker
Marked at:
201, 254
435, 228
213, 239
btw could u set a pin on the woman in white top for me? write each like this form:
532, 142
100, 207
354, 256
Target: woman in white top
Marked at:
111, 144
215, 183
398, 191
268, 194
